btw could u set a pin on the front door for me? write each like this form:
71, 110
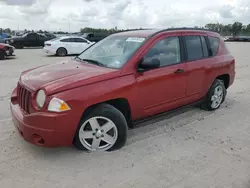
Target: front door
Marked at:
31, 39
163, 88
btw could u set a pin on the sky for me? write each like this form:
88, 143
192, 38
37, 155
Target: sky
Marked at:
71, 15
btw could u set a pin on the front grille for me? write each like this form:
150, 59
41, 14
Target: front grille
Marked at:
24, 98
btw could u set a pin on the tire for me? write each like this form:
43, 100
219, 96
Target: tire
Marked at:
104, 114
61, 52
18, 46
2, 55
212, 95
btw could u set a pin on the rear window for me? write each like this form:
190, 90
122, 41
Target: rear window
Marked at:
214, 43
224, 46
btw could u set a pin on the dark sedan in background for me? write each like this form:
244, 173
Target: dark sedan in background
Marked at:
238, 39
31, 39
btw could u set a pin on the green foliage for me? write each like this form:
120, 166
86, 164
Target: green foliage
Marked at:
237, 28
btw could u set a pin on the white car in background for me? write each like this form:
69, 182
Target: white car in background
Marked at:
66, 45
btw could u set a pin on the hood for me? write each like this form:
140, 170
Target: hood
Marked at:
65, 75
2, 45
15, 38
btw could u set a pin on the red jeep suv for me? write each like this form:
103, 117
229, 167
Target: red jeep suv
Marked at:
91, 101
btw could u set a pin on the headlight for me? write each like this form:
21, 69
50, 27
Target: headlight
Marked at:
40, 98
58, 105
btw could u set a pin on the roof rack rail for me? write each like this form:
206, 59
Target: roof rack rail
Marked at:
126, 30
187, 28
182, 28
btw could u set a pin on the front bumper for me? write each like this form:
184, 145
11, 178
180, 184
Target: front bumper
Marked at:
9, 52
232, 78
49, 51
44, 128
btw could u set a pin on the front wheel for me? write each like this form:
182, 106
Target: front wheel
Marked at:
215, 96
2, 55
18, 45
103, 129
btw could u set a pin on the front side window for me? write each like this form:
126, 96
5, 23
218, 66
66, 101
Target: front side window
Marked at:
31, 36
113, 51
167, 51
67, 40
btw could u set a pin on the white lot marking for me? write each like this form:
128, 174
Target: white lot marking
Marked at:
3, 120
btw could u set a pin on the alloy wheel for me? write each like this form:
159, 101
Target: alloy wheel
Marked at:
217, 97
98, 134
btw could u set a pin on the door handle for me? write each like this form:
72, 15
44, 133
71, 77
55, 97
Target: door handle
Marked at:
179, 71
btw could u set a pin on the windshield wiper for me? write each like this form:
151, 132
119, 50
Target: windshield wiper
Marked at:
94, 62
78, 58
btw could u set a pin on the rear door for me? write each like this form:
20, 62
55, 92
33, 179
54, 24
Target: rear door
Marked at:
197, 59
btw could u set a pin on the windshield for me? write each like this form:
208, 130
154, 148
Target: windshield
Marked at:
113, 51
25, 34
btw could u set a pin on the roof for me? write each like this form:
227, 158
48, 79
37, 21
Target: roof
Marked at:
69, 36
149, 32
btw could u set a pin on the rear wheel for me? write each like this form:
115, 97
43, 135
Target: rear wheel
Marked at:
2, 55
61, 52
215, 96
103, 129
18, 46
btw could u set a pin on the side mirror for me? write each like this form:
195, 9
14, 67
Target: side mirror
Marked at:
145, 65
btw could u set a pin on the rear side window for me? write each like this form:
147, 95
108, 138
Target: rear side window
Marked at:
225, 47
194, 48
214, 43
80, 40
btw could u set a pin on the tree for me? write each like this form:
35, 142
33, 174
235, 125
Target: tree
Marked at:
227, 29
236, 28
8, 30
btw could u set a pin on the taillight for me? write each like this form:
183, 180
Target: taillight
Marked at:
233, 65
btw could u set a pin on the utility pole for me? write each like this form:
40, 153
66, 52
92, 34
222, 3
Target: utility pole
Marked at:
69, 23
